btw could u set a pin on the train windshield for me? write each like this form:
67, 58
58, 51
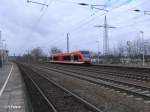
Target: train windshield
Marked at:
86, 53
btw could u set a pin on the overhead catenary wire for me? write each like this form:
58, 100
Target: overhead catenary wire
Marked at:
84, 20
39, 19
43, 6
117, 7
41, 16
130, 9
132, 24
58, 40
84, 23
68, 1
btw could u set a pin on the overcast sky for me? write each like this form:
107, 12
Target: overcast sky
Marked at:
25, 25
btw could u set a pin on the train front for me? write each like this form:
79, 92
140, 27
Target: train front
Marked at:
86, 57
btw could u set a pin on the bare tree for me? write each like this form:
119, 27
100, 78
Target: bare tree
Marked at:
37, 53
121, 49
55, 50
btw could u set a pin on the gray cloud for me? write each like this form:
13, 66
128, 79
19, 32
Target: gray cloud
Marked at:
23, 26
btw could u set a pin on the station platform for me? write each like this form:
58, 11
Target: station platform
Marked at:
13, 96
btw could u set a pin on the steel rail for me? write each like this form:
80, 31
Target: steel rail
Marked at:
112, 73
107, 79
103, 78
89, 105
41, 92
89, 79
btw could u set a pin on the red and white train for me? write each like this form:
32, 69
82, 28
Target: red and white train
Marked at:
79, 57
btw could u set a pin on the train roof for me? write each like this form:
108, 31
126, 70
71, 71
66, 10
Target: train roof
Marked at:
67, 53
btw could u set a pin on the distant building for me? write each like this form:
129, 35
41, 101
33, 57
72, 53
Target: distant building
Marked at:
3, 57
147, 47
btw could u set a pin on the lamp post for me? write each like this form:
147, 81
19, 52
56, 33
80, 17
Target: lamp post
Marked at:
143, 57
6, 55
3, 52
142, 33
98, 48
68, 42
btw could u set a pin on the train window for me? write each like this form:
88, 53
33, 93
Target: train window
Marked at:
50, 58
86, 53
67, 57
55, 58
76, 57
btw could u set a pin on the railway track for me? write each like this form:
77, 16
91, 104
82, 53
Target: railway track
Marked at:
141, 73
110, 72
105, 76
125, 87
50, 96
37, 97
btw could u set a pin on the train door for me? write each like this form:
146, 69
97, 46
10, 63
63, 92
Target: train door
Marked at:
77, 58
72, 58
52, 58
